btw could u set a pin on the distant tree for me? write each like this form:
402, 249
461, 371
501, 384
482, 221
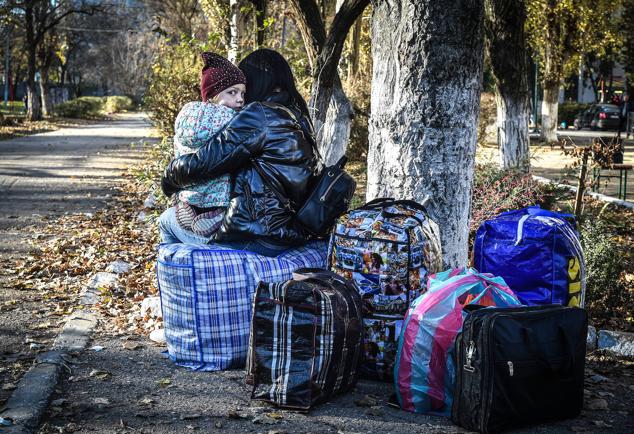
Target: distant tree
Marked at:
39, 18
506, 46
176, 18
426, 84
560, 32
626, 26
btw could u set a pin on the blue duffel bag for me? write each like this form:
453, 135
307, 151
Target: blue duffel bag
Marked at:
207, 297
537, 252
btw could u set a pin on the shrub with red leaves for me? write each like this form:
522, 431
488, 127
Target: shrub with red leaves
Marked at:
496, 191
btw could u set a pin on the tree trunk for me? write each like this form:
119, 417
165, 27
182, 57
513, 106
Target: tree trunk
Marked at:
336, 130
353, 61
260, 15
550, 104
234, 21
512, 126
47, 107
34, 112
426, 84
332, 129
506, 43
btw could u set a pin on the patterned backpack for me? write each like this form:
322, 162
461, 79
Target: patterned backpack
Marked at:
388, 248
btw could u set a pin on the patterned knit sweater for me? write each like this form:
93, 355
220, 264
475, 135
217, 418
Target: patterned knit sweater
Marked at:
195, 125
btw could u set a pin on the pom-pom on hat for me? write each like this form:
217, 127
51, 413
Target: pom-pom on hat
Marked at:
217, 75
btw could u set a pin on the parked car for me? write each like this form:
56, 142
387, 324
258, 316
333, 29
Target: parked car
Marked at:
583, 119
598, 116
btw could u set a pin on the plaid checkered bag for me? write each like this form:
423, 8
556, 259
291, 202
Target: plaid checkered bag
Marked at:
206, 298
306, 339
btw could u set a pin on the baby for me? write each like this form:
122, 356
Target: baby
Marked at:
201, 208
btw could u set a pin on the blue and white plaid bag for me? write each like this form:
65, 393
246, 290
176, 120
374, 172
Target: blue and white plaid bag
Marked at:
207, 294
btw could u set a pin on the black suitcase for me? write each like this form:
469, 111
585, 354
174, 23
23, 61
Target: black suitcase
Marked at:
519, 366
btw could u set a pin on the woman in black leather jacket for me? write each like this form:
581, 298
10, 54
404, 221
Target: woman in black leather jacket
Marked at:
274, 132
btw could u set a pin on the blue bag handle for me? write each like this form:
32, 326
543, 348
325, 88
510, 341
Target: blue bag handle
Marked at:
536, 210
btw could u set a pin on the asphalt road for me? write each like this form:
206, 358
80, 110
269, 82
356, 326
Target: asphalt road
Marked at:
66, 171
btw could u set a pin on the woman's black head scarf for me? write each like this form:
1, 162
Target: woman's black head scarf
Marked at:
266, 70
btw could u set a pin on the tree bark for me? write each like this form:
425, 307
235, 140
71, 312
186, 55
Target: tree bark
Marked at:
335, 132
512, 126
506, 44
353, 61
234, 20
34, 112
47, 107
324, 52
260, 15
550, 105
426, 84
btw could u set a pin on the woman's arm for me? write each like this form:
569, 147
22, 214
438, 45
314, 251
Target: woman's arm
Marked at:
225, 153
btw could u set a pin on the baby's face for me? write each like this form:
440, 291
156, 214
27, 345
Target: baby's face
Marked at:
232, 97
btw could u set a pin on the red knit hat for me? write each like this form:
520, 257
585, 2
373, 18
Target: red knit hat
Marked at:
217, 75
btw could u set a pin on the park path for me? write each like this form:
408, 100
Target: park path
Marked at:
45, 175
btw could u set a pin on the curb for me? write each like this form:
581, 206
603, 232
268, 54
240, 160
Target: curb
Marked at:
617, 343
30, 399
599, 196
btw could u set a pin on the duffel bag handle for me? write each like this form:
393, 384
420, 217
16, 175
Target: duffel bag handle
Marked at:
382, 202
317, 273
379, 202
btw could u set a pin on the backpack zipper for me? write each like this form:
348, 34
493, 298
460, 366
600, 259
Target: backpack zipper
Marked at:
323, 196
510, 368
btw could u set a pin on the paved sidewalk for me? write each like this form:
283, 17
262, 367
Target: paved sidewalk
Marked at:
70, 170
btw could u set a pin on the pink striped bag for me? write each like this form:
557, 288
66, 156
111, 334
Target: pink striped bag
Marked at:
424, 372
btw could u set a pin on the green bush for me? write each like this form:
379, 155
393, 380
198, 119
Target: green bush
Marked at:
117, 104
82, 107
568, 111
606, 295
174, 82
93, 106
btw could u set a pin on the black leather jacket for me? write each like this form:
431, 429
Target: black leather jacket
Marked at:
282, 141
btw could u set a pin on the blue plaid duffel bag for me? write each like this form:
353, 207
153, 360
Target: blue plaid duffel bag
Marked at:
207, 294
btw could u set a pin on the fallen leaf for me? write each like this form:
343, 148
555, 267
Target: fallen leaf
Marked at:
164, 382
100, 374
101, 401
233, 414
265, 420
147, 401
130, 345
366, 401
8, 386
597, 404
599, 378
375, 411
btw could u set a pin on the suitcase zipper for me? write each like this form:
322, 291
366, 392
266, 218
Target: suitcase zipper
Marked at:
469, 357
